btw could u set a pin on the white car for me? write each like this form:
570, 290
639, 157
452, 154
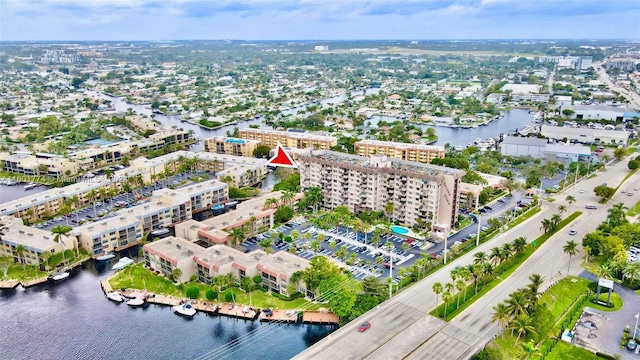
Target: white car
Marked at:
572, 232
581, 191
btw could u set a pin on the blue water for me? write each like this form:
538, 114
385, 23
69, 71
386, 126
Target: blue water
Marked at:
399, 229
100, 142
74, 320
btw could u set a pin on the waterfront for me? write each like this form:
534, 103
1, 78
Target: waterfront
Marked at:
512, 120
74, 320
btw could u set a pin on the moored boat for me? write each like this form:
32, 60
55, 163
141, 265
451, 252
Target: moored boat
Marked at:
185, 309
60, 275
106, 256
135, 302
115, 296
123, 262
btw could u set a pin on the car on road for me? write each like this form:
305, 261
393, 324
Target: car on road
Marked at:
629, 193
581, 191
572, 232
591, 206
364, 326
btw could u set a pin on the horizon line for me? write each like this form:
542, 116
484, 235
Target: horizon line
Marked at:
332, 40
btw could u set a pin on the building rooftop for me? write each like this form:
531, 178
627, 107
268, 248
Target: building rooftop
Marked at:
569, 149
514, 140
291, 134
33, 239
244, 211
175, 248
400, 145
377, 161
282, 264
220, 255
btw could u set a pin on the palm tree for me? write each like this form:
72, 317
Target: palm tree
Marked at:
534, 287
571, 199
237, 235
266, 245
314, 194
460, 285
604, 271
519, 244
388, 209
547, 225
501, 315
496, 255
562, 209
480, 257
517, 303
631, 271
58, 233
476, 270
93, 194
20, 252
523, 325
507, 250
555, 220
530, 348
271, 202
447, 298
176, 273
437, 289
571, 248
287, 197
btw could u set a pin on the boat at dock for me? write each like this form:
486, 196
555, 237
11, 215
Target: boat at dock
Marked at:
135, 302
122, 263
115, 296
30, 186
185, 309
60, 275
106, 256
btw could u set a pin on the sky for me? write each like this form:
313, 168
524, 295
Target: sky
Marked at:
41, 20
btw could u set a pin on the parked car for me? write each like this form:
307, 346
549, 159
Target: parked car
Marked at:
573, 232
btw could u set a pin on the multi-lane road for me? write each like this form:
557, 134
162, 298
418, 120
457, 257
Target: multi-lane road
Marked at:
401, 328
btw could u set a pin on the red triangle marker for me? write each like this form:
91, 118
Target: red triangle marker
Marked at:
282, 158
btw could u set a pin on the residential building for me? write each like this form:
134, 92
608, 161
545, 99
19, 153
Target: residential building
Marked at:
37, 245
410, 152
276, 271
469, 196
585, 135
585, 62
172, 253
39, 164
219, 260
620, 64
539, 98
290, 139
231, 146
416, 191
110, 234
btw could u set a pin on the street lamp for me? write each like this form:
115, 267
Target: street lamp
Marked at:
636, 328
446, 235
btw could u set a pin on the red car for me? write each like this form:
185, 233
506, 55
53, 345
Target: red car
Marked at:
364, 326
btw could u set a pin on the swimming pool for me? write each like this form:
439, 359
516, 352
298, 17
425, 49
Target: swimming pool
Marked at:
399, 229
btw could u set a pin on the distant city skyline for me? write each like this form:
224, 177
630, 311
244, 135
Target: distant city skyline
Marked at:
60, 20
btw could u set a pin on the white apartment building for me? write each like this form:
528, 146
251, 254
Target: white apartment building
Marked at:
290, 139
416, 190
38, 244
410, 152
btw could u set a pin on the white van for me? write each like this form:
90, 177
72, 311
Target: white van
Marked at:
591, 206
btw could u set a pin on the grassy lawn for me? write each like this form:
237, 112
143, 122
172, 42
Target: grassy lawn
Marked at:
595, 262
16, 271
565, 351
524, 217
137, 277
635, 210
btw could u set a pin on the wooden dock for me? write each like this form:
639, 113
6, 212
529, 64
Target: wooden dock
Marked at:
34, 282
289, 316
237, 311
9, 284
320, 317
106, 287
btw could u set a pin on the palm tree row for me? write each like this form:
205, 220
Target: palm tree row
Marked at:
516, 313
482, 271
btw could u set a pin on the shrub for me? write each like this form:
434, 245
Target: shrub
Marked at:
228, 296
211, 294
193, 278
257, 279
193, 292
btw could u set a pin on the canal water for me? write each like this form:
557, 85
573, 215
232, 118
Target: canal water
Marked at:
512, 120
74, 320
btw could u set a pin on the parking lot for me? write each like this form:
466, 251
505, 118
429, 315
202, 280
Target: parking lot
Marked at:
358, 247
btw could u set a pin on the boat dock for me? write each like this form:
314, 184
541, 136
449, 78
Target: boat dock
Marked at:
320, 318
237, 311
9, 284
34, 282
106, 287
289, 316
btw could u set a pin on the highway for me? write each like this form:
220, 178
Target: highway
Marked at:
632, 97
401, 327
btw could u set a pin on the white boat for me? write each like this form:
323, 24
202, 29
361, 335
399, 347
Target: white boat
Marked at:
185, 309
115, 296
60, 275
135, 302
30, 186
124, 261
105, 257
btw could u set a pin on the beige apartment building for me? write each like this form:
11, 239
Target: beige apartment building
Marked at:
416, 190
410, 152
38, 244
231, 146
290, 139
33, 165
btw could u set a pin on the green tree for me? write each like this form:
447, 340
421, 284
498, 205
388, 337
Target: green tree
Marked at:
571, 248
619, 153
501, 315
340, 292
523, 325
603, 192
261, 151
437, 289
176, 273
192, 292
59, 232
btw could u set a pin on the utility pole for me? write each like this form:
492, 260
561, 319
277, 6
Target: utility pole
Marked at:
390, 274
446, 236
478, 234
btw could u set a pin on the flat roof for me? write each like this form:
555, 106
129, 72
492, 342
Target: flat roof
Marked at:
244, 211
290, 134
514, 140
32, 238
220, 255
282, 263
569, 149
400, 145
373, 162
175, 248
